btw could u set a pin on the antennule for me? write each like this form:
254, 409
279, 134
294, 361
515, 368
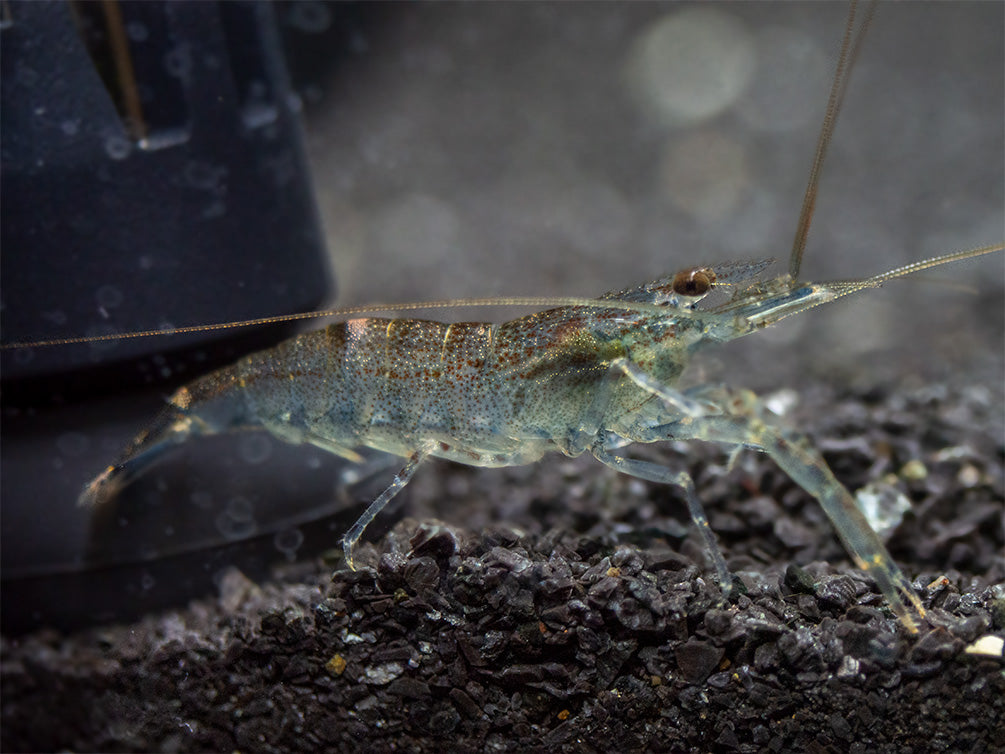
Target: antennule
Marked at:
924, 264
530, 301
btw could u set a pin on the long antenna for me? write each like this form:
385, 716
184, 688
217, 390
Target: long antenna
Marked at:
528, 301
851, 45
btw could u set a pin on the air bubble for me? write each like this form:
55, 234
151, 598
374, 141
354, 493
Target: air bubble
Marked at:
288, 541
255, 449
234, 530
118, 147
240, 509
237, 521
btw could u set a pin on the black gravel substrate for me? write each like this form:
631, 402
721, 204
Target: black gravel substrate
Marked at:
564, 608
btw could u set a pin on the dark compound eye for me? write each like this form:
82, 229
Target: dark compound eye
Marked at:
694, 282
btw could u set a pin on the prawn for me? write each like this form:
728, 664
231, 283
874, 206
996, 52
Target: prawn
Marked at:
589, 375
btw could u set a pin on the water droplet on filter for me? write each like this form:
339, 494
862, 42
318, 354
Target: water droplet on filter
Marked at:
147, 581
240, 509
288, 541
69, 127
255, 449
118, 147
237, 520
690, 65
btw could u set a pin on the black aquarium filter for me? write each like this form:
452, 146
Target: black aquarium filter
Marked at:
153, 175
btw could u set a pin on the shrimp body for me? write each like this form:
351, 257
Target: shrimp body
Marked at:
480, 394
476, 393
573, 379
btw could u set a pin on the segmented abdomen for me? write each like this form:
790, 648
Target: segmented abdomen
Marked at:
386, 384
486, 394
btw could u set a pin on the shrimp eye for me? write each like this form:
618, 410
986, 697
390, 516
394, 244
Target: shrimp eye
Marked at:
693, 282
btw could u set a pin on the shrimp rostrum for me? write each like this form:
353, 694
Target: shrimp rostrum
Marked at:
591, 377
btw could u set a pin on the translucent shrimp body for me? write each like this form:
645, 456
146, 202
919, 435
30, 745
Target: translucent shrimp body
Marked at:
572, 379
